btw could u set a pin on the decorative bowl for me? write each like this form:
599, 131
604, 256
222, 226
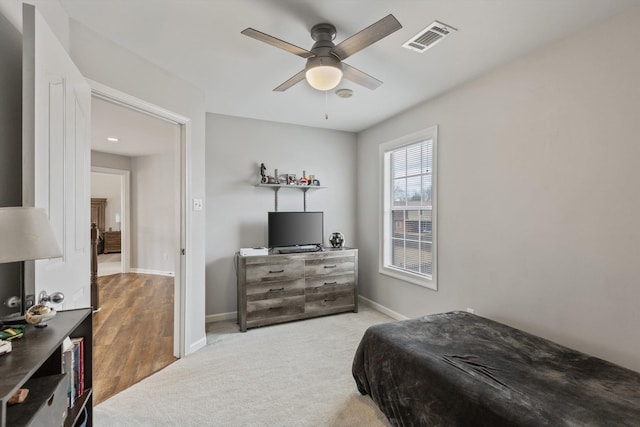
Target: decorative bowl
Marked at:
39, 314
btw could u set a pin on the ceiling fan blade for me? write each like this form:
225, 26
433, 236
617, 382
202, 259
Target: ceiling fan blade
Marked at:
292, 81
381, 29
266, 38
360, 77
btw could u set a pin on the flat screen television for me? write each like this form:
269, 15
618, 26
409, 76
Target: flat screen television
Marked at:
295, 229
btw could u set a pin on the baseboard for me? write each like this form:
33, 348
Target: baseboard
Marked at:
156, 272
382, 309
202, 342
232, 315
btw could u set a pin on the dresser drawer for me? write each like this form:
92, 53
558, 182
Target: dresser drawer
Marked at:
275, 307
330, 282
319, 301
269, 290
274, 271
327, 266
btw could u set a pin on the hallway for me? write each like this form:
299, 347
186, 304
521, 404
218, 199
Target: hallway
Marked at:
133, 331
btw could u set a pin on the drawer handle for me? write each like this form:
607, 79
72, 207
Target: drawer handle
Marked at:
276, 290
330, 266
330, 283
329, 299
276, 271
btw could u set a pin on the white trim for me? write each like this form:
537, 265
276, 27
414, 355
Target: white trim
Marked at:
124, 99
232, 315
202, 342
155, 272
382, 309
384, 188
182, 283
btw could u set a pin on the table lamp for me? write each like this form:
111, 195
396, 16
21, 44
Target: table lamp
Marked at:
26, 234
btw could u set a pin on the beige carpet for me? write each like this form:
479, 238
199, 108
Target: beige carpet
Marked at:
294, 374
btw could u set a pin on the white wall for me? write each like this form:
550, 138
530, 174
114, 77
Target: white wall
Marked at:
539, 195
108, 186
237, 209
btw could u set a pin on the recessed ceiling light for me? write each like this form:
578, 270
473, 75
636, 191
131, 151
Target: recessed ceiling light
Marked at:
112, 139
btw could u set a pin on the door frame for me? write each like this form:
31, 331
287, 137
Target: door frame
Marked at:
182, 284
125, 210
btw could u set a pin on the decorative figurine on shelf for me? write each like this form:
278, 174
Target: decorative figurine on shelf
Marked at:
263, 170
336, 239
291, 179
304, 180
264, 178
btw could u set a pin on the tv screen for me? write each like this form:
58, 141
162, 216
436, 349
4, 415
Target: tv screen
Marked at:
295, 228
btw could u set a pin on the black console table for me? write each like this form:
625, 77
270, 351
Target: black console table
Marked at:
36, 363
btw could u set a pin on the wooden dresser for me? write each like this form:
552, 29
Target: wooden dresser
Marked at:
111, 241
280, 288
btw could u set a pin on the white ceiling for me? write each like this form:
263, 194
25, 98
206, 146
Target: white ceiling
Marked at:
138, 134
200, 41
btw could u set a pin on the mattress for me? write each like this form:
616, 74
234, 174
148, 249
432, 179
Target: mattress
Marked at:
460, 369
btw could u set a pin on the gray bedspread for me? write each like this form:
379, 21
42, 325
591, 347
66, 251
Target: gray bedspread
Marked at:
459, 369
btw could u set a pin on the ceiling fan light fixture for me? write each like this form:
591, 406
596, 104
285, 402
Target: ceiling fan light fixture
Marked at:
323, 73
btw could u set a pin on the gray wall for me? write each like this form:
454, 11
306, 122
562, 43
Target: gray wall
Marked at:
153, 212
10, 143
153, 209
237, 209
538, 195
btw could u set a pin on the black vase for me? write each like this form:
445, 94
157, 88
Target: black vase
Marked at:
336, 239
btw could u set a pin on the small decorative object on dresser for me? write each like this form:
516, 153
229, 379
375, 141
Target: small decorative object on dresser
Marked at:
336, 239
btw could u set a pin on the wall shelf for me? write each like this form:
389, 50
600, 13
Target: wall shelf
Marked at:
304, 188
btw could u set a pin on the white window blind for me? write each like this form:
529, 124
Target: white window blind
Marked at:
408, 241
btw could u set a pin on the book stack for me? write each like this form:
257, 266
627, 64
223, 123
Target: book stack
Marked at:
73, 366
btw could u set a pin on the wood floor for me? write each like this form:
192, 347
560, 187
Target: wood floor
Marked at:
133, 331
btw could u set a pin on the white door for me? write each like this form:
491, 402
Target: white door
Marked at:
56, 150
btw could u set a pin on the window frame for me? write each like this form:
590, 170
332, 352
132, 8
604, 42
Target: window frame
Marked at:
385, 220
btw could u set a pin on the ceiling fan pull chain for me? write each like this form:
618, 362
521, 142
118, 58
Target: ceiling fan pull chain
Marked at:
326, 102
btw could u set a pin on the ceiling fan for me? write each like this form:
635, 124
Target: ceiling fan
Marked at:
324, 68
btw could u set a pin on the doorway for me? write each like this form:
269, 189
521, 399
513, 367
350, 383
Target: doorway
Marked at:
177, 181
110, 211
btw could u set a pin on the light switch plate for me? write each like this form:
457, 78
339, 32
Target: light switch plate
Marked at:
197, 204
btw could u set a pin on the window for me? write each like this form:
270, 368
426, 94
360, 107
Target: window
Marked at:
408, 220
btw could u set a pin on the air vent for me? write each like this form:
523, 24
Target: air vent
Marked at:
429, 37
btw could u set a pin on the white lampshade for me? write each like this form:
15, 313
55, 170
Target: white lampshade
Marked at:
324, 77
323, 73
26, 234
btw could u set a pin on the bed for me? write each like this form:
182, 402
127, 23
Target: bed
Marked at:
459, 369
